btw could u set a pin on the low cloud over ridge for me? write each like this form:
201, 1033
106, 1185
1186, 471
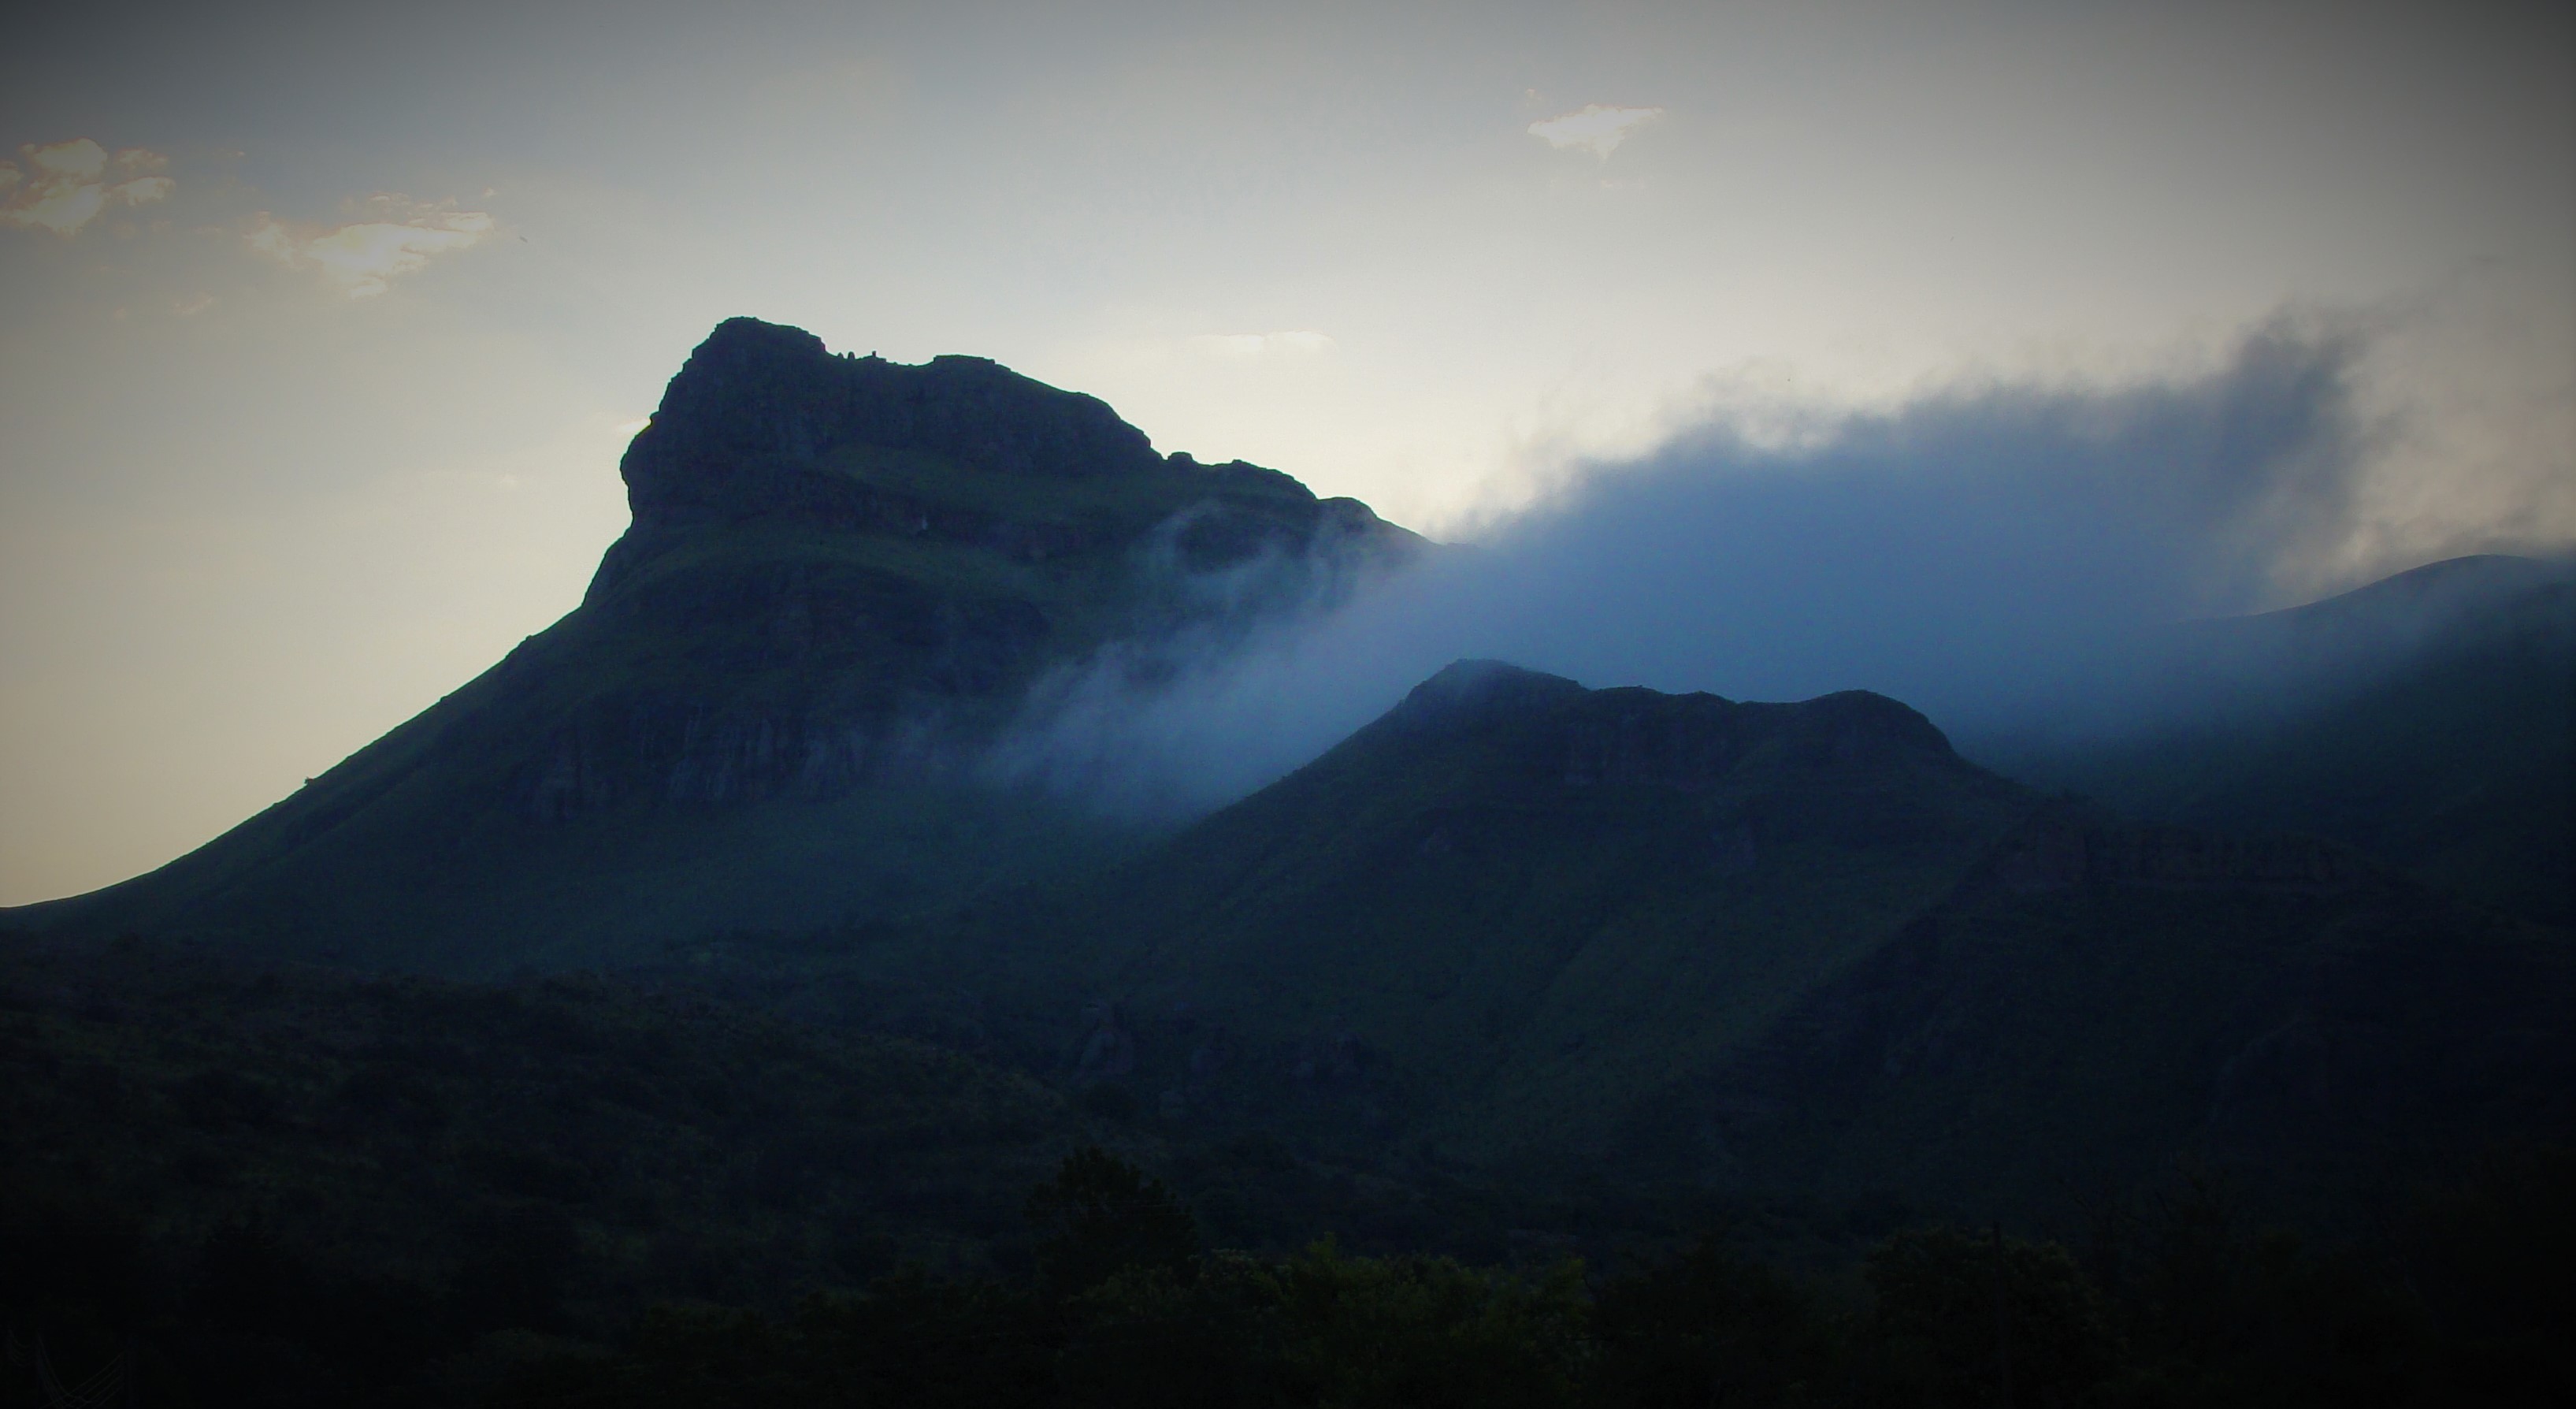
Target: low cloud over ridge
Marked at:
1987, 554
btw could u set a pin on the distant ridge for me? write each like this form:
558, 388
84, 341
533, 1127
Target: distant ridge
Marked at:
2428, 719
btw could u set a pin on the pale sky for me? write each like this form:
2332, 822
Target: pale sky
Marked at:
321, 332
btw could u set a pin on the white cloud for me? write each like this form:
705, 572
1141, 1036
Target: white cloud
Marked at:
1595, 127
80, 157
76, 180
1296, 343
362, 257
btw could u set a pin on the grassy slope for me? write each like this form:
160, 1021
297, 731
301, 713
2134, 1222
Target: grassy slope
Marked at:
1517, 953
408, 856
2457, 762
376, 1125
1591, 979
2032, 1051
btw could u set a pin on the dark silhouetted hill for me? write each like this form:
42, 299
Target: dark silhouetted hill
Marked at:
1797, 946
2428, 719
842, 576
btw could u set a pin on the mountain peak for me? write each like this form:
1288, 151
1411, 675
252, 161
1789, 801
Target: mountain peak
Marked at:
1623, 720
742, 424
1466, 689
740, 336
843, 578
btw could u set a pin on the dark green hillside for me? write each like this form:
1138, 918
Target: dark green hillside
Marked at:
1514, 898
223, 1183
389, 1168
1803, 946
2428, 719
843, 574
2099, 998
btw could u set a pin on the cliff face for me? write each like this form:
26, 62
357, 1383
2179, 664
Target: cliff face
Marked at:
842, 578
755, 391
843, 569
762, 422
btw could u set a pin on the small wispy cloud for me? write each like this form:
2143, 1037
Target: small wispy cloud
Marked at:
1595, 127
1298, 343
66, 185
363, 257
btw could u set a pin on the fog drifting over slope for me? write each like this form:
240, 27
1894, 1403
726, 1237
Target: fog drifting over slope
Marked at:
1990, 554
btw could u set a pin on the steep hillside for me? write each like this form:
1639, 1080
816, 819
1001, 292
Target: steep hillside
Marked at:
2428, 719
2099, 999
842, 576
1794, 946
1517, 894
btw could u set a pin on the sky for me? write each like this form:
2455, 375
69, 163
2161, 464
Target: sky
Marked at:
321, 331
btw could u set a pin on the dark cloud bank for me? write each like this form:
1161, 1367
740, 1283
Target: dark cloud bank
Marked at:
2005, 558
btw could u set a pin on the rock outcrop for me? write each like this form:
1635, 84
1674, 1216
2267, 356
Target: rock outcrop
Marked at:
843, 569
843, 579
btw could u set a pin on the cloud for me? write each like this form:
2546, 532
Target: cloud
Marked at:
362, 257
1298, 343
1993, 555
75, 181
1595, 127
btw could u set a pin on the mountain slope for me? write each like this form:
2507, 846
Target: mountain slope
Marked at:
842, 577
1794, 946
1472, 884
2428, 719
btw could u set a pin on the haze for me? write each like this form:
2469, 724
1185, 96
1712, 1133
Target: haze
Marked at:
320, 334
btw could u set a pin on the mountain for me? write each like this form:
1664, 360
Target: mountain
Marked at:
1520, 969
1515, 922
842, 578
1790, 946
2428, 719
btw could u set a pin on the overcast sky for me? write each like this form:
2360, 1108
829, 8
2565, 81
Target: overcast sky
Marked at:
321, 332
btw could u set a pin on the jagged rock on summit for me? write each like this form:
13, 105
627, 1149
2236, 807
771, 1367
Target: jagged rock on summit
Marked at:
842, 579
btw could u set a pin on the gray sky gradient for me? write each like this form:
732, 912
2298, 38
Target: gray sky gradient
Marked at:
300, 440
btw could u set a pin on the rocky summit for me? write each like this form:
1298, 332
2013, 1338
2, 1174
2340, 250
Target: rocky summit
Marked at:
842, 577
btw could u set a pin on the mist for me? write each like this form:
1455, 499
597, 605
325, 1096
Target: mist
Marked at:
2005, 557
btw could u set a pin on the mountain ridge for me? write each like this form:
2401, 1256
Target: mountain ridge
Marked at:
1531, 923
1760, 946
2428, 719
842, 575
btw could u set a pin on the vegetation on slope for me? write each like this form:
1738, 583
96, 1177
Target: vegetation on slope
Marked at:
2172, 1301
1760, 948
